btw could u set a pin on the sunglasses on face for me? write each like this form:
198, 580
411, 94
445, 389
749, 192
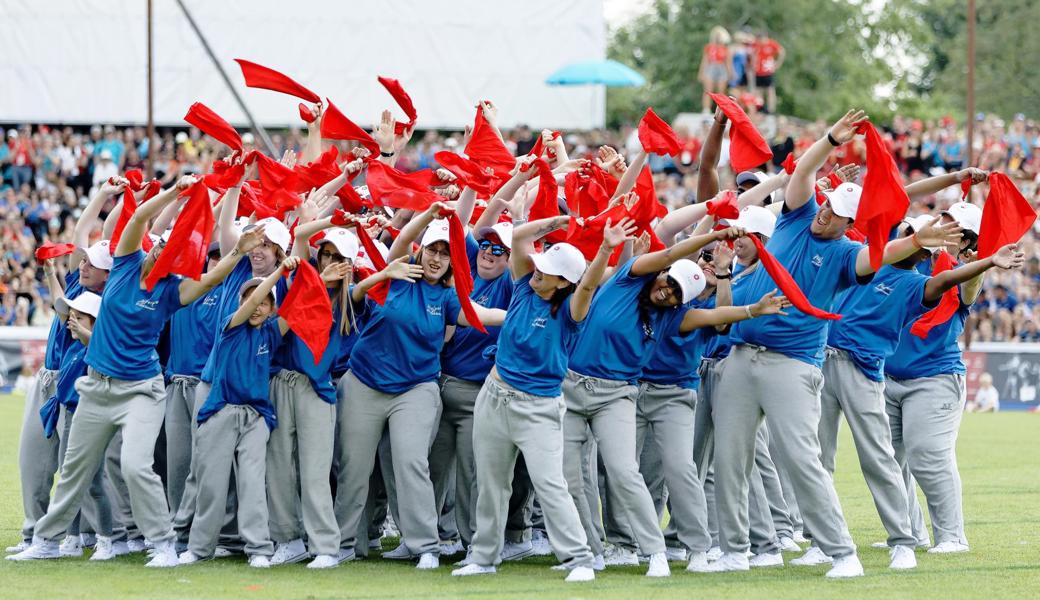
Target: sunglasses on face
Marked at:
707, 255
496, 249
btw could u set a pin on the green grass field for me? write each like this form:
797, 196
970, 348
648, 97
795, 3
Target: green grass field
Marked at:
998, 458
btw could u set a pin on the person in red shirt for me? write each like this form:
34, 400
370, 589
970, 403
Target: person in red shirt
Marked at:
766, 57
716, 68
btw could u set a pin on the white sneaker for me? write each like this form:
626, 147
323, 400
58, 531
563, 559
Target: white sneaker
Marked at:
468, 559
729, 562
948, 548
22, 545
120, 548
472, 569
37, 550
579, 574
401, 552
516, 551
880, 545
789, 545
103, 549
222, 552
289, 553
345, 556
799, 537
258, 561
714, 553
540, 544
902, 558
428, 561
187, 558
70, 546
698, 563
323, 561
766, 559
598, 564
812, 557
449, 548
658, 566
846, 566
136, 545
675, 554
165, 556
376, 545
616, 556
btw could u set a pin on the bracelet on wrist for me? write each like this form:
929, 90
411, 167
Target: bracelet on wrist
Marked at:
725, 275
832, 141
747, 309
386, 154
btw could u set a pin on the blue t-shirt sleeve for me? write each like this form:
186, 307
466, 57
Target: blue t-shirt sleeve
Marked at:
471, 249
799, 217
272, 331
918, 304
623, 275
847, 252
452, 307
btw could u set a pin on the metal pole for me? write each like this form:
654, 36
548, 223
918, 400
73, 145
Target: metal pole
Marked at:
971, 83
223, 74
152, 146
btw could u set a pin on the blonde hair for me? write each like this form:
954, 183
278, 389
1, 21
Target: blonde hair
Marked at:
719, 35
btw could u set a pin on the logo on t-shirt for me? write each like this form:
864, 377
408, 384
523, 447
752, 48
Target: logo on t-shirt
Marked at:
262, 349
538, 322
148, 304
433, 310
209, 301
483, 300
881, 288
817, 260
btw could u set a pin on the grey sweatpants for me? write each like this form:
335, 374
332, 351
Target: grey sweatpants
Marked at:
756, 382
233, 438
108, 405
181, 411
299, 461
608, 409
507, 420
925, 415
668, 412
846, 390
453, 447
412, 417
96, 508
37, 454
615, 526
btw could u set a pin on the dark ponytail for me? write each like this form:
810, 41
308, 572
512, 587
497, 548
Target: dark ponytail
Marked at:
558, 297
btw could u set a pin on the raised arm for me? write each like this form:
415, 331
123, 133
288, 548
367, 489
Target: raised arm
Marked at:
613, 236
1008, 257
662, 259
707, 170
402, 246
524, 237
135, 229
800, 187
396, 269
165, 218
88, 219
191, 290
628, 180
932, 235
245, 310
312, 149
932, 185
227, 235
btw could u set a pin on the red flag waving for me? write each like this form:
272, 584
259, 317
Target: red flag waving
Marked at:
787, 284
725, 206
308, 310
656, 136
379, 292
225, 174
460, 270
129, 207
185, 251
469, 173
403, 100
545, 204
884, 201
277, 185
51, 250
336, 126
390, 187
965, 188
487, 150
951, 300
213, 125
259, 76
788, 163
1006, 216
747, 148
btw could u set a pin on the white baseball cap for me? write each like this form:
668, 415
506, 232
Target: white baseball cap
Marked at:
241, 223
87, 303
99, 256
436, 231
967, 215
845, 199
749, 176
365, 261
755, 219
503, 230
690, 278
166, 235
344, 240
255, 281
276, 232
562, 260
917, 223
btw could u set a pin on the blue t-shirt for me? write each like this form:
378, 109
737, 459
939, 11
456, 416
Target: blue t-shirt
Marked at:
59, 337
73, 366
534, 345
937, 354
677, 357
875, 315
192, 334
821, 268
243, 362
130, 321
718, 344
470, 354
401, 344
341, 364
615, 344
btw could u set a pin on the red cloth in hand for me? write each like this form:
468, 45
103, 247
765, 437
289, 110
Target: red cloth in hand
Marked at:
855, 235
390, 187
545, 204
834, 179
336, 126
187, 248
1006, 216
277, 183
51, 250
786, 283
305, 113
403, 100
460, 270
589, 236
213, 125
724, 206
656, 136
948, 305
647, 208
225, 174
487, 150
259, 76
130, 207
788, 164
308, 310
380, 290
747, 148
470, 174
965, 188
884, 201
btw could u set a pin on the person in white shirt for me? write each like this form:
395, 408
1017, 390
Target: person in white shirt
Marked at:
986, 398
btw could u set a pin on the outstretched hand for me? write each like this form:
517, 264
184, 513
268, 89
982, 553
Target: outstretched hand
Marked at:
934, 235
615, 235
1009, 257
845, 128
403, 270
770, 304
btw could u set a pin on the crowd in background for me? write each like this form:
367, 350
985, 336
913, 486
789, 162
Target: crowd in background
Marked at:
49, 172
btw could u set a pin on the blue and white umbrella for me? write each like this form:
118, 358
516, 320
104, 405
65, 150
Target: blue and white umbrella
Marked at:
596, 72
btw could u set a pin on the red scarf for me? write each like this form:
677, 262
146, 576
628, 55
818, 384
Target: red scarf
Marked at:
186, 250
135, 184
884, 201
948, 305
787, 284
487, 150
460, 270
1006, 216
308, 310
51, 250
213, 125
656, 136
390, 187
403, 100
336, 126
258, 76
747, 148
